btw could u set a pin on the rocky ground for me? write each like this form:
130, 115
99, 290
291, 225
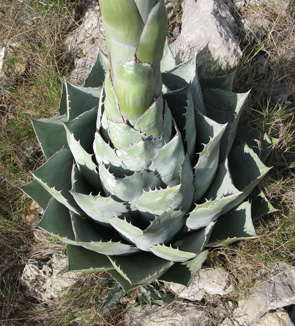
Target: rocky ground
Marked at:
210, 28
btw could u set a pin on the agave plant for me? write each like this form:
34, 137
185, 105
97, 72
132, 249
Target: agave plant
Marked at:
147, 167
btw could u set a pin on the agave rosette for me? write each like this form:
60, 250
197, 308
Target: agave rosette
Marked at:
144, 176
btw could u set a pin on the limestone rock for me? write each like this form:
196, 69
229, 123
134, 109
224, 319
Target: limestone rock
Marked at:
2, 76
209, 281
180, 315
208, 28
15, 62
45, 280
276, 318
275, 292
2, 54
86, 41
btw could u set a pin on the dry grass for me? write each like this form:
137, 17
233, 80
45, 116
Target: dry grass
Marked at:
80, 305
15, 245
267, 68
38, 59
33, 35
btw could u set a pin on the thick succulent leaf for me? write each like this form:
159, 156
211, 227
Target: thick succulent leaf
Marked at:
100, 208
229, 179
76, 230
76, 140
167, 124
51, 134
123, 135
109, 248
35, 190
161, 230
177, 102
225, 107
55, 177
261, 143
104, 153
123, 26
168, 61
63, 104
119, 52
88, 237
190, 128
162, 200
57, 222
83, 127
144, 8
151, 122
98, 71
100, 111
122, 281
222, 185
139, 156
115, 294
122, 21
181, 105
168, 161
81, 259
222, 82
152, 39
195, 241
182, 75
233, 226
183, 273
83, 161
205, 170
175, 197
130, 187
260, 204
79, 183
141, 268
81, 99
208, 212
111, 105
134, 85
171, 254
243, 158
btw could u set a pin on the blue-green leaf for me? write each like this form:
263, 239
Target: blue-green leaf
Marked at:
57, 222
183, 273
225, 107
51, 134
205, 170
100, 208
38, 193
234, 226
98, 71
161, 230
55, 177
140, 268
81, 259
130, 187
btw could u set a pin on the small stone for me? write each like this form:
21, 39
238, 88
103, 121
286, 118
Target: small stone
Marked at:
208, 29
86, 41
276, 318
2, 77
2, 55
209, 281
46, 279
15, 63
275, 292
180, 315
